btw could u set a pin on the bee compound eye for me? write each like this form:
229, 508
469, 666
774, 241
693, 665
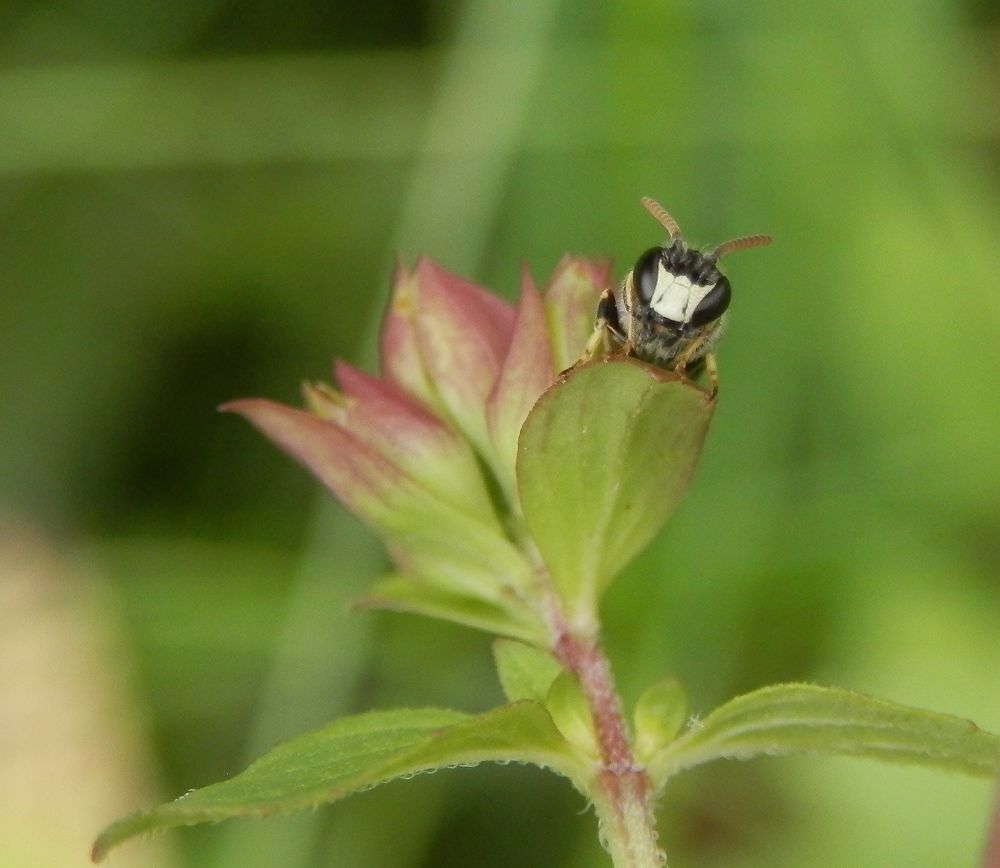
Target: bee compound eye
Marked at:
646, 273
713, 305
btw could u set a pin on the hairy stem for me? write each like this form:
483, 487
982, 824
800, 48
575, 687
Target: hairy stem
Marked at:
621, 791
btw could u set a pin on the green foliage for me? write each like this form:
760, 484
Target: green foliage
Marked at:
404, 595
524, 672
572, 716
658, 717
603, 461
804, 719
356, 753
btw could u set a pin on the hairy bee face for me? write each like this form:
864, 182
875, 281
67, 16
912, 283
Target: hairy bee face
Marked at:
671, 304
670, 309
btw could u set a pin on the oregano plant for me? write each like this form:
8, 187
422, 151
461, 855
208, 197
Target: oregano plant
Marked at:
511, 483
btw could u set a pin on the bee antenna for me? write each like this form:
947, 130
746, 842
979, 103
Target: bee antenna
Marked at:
662, 217
741, 244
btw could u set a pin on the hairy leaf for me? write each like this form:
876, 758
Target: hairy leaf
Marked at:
356, 753
796, 719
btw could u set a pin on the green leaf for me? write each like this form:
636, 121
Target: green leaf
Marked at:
524, 672
571, 714
404, 594
658, 717
357, 753
603, 460
804, 719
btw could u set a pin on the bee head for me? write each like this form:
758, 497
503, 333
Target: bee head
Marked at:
679, 286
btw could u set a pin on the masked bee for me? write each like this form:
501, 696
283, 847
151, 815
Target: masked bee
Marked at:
670, 309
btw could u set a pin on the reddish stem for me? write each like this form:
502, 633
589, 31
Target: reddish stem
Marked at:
587, 661
621, 792
625, 800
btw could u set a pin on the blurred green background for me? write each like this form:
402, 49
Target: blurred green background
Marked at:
201, 201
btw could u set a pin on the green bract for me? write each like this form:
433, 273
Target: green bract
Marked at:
524, 672
658, 716
604, 459
425, 453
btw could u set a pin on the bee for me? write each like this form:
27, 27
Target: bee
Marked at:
670, 308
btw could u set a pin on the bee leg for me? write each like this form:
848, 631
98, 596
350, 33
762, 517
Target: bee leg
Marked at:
687, 357
606, 328
596, 343
708, 359
712, 369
